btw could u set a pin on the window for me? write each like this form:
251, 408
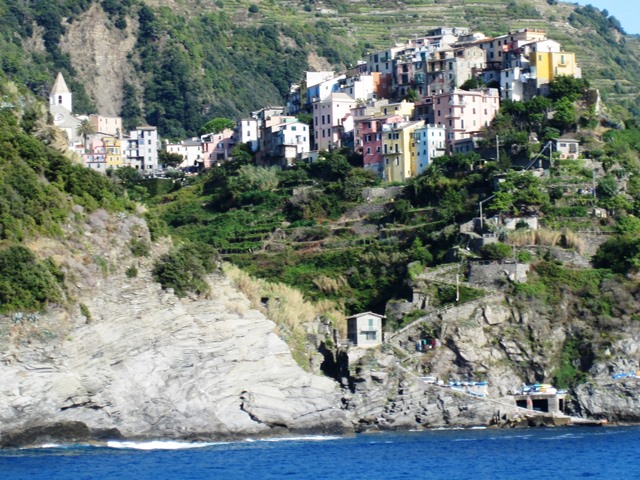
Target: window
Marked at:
368, 150
370, 335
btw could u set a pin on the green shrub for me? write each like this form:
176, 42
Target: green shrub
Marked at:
524, 256
132, 271
496, 251
184, 269
25, 282
139, 247
86, 313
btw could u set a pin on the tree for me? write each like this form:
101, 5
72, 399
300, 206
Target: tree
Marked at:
85, 130
496, 251
565, 114
217, 125
169, 159
412, 96
564, 86
242, 154
473, 82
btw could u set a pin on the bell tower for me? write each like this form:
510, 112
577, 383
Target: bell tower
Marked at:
60, 94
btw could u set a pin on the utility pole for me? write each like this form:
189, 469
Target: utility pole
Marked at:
497, 149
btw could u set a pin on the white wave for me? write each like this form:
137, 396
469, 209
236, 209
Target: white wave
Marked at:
160, 445
310, 438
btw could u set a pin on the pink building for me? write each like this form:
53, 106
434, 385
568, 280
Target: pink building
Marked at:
95, 155
216, 147
464, 113
368, 140
328, 118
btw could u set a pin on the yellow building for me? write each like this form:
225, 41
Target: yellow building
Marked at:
549, 65
113, 151
399, 150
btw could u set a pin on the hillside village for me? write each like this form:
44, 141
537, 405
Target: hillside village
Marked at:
399, 109
412, 287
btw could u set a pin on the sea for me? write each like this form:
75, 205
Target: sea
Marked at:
537, 453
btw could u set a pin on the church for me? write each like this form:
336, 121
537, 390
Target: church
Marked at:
61, 108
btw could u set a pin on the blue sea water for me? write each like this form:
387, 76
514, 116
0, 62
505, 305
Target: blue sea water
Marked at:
567, 453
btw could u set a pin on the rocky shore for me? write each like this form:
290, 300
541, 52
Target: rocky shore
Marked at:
130, 360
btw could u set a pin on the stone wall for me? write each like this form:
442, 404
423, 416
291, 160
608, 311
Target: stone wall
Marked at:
495, 273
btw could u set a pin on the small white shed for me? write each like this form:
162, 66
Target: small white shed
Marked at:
365, 329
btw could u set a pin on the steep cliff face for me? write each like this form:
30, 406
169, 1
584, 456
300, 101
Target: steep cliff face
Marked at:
505, 343
99, 54
140, 360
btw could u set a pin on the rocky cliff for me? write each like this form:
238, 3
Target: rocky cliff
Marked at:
125, 358
137, 361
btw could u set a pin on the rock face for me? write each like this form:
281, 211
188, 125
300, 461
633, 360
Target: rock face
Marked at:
151, 365
131, 360
140, 362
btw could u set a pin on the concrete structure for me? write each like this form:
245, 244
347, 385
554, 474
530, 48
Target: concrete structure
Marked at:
61, 109
360, 87
60, 94
448, 69
552, 402
546, 66
286, 143
247, 133
141, 149
95, 156
368, 140
113, 151
365, 329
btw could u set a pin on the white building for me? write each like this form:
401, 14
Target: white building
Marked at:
430, 143
365, 329
190, 151
141, 148
247, 133
291, 142
61, 109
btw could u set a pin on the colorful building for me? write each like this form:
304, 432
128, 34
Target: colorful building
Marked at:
328, 120
464, 113
398, 150
113, 151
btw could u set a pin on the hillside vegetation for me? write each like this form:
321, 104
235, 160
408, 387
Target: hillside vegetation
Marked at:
191, 61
